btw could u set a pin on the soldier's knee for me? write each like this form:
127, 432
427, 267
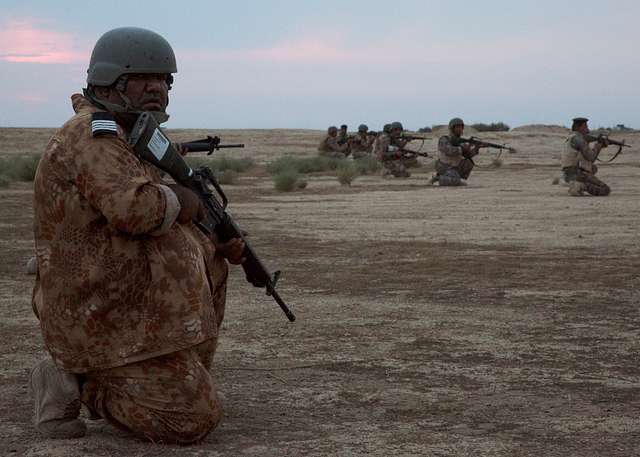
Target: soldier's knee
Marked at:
185, 427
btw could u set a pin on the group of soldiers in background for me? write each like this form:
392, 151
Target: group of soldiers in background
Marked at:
455, 153
389, 147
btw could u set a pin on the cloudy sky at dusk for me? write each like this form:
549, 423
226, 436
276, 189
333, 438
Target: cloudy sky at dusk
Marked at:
294, 64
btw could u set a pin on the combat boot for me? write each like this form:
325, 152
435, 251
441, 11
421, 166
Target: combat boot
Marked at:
576, 189
57, 402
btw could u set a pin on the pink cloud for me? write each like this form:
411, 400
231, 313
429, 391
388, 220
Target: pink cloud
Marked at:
31, 98
27, 41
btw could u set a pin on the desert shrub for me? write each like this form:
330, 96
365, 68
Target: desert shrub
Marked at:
222, 163
22, 168
227, 177
367, 165
286, 179
4, 181
303, 165
493, 127
425, 130
346, 173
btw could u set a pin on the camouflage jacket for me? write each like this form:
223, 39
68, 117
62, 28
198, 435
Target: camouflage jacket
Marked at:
329, 146
383, 149
578, 153
361, 143
118, 279
449, 154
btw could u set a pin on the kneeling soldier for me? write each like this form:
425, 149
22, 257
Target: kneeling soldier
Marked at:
578, 167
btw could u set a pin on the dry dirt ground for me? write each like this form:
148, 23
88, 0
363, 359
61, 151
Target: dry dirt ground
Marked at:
498, 319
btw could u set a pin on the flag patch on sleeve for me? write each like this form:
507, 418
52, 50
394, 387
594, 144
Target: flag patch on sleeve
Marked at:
103, 123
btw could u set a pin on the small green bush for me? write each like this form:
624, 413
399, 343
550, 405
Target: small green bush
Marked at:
493, 127
228, 177
286, 180
222, 163
22, 168
346, 173
367, 165
303, 165
4, 181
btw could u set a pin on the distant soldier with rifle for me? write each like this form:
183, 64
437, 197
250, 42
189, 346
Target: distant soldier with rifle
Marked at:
132, 271
343, 135
362, 142
389, 148
455, 155
454, 162
329, 146
578, 160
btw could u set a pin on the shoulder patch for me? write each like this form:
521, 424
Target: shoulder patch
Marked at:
103, 123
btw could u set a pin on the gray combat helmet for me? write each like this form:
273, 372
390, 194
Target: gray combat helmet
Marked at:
129, 50
455, 121
363, 128
396, 125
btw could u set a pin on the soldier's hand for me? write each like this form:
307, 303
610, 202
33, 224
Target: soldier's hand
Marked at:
604, 142
190, 205
466, 148
232, 251
181, 149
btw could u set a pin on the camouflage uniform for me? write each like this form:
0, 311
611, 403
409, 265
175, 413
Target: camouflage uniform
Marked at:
125, 296
361, 145
578, 168
329, 147
451, 166
389, 155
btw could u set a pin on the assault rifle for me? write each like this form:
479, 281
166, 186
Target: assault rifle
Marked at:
152, 145
604, 139
413, 137
474, 141
209, 144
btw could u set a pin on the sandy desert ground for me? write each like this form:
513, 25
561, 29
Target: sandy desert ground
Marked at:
498, 319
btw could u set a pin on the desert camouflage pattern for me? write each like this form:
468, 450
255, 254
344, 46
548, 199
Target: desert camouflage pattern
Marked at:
361, 145
578, 153
448, 154
118, 281
386, 152
578, 165
329, 147
167, 399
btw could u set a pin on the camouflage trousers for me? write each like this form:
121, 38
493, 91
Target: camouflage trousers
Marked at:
452, 176
168, 399
395, 167
591, 184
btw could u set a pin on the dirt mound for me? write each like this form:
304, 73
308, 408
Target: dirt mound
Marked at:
541, 128
440, 130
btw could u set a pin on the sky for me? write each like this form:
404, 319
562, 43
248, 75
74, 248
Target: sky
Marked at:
311, 64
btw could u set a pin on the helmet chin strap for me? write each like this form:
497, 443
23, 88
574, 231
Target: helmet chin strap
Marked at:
128, 108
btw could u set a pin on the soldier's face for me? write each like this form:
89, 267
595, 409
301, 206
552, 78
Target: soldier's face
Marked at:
148, 92
458, 130
396, 133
